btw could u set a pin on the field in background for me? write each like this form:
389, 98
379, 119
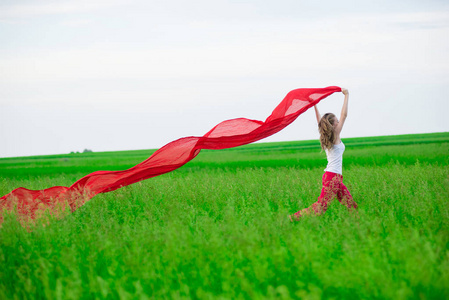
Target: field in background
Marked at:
218, 226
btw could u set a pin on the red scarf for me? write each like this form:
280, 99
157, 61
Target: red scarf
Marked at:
227, 134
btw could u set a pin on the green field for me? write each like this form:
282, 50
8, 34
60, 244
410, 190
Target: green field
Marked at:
218, 227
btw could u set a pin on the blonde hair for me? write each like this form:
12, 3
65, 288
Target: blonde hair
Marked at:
326, 129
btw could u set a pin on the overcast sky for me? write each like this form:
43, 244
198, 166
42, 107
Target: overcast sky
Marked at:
118, 75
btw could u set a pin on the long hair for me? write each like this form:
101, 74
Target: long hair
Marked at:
326, 129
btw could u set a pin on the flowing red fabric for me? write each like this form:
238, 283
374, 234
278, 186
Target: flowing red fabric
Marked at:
227, 134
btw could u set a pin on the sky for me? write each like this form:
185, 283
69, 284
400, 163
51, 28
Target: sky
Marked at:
134, 74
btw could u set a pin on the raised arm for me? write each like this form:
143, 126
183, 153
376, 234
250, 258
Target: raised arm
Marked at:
317, 113
344, 111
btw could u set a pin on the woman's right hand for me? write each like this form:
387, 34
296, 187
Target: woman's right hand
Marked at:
344, 91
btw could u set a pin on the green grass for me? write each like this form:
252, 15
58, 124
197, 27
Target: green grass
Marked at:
218, 227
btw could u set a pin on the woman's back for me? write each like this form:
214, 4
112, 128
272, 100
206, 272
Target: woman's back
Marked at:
335, 158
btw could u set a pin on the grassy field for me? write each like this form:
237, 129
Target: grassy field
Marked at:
218, 227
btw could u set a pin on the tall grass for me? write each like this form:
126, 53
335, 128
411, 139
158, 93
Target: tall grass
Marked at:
222, 231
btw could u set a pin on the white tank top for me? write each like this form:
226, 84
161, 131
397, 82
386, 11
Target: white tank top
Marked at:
335, 159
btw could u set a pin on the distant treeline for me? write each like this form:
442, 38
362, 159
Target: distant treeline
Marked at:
84, 151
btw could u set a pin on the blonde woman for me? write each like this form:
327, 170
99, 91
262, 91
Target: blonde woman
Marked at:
330, 128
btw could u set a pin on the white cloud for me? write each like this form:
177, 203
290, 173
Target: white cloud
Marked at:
77, 22
20, 11
371, 43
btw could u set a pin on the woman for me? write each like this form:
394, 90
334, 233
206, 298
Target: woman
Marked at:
330, 128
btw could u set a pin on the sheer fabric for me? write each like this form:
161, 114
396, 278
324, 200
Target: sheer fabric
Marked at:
227, 134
